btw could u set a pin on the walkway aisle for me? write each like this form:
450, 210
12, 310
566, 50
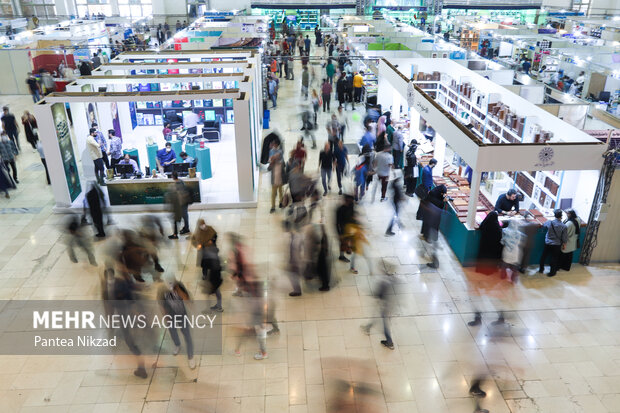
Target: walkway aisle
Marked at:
561, 353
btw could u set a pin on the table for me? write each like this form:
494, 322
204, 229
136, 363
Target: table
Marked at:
146, 191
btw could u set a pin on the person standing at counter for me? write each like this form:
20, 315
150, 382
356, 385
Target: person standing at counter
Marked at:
358, 84
190, 122
116, 146
427, 174
128, 161
507, 204
490, 250
167, 131
555, 239
34, 87
178, 200
166, 156
572, 232
95, 154
102, 144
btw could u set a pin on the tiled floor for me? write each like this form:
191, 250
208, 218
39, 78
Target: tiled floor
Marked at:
560, 353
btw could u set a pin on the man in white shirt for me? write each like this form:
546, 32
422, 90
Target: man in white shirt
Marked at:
190, 120
94, 151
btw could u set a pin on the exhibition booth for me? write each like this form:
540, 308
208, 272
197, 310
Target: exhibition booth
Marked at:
500, 139
224, 140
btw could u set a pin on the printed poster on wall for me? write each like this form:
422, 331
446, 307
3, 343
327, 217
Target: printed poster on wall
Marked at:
66, 150
91, 108
116, 124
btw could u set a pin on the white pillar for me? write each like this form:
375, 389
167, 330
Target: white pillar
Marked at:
243, 145
472, 206
395, 106
439, 154
414, 124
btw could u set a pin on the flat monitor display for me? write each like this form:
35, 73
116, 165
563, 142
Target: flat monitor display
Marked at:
209, 115
122, 169
181, 168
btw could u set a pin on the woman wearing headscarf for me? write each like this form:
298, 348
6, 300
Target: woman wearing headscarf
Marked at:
490, 251
30, 128
430, 211
381, 125
572, 230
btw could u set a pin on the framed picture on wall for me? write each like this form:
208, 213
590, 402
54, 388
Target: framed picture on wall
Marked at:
536, 194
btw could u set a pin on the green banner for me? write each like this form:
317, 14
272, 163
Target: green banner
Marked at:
66, 150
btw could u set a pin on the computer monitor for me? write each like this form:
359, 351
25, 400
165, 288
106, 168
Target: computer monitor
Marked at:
181, 169
209, 115
123, 169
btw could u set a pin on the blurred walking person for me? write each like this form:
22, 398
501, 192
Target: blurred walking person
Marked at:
152, 233
204, 240
345, 214
384, 292
431, 210
278, 179
172, 297
397, 199
513, 240
178, 198
490, 250
96, 206
77, 238
326, 165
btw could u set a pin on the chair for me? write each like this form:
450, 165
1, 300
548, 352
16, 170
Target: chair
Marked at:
174, 119
212, 129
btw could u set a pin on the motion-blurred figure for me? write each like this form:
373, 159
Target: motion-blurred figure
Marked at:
295, 222
345, 214
132, 255
307, 120
204, 239
431, 209
172, 296
384, 292
397, 199
240, 268
256, 306
152, 233
490, 250
178, 198
96, 207
77, 238
513, 240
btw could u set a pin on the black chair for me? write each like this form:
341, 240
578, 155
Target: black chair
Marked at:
174, 119
212, 129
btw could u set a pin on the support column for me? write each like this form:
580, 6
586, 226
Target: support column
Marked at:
414, 124
243, 149
440, 154
472, 206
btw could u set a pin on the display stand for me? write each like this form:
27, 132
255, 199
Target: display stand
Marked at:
567, 148
203, 155
151, 151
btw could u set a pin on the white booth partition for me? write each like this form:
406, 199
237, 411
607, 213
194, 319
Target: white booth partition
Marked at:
226, 168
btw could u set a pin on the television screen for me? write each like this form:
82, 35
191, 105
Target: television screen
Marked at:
218, 103
208, 103
209, 115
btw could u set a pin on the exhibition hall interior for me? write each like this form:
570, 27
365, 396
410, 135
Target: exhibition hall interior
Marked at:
281, 206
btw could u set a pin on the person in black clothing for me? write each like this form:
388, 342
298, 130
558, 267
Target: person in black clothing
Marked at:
95, 200
9, 124
34, 87
490, 251
85, 69
326, 164
341, 90
345, 214
323, 262
431, 209
398, 198
411, 162
507, 204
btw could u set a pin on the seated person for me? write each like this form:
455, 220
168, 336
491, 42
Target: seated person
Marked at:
128, 161
166, 156
507, 204
186, 158
167, 131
